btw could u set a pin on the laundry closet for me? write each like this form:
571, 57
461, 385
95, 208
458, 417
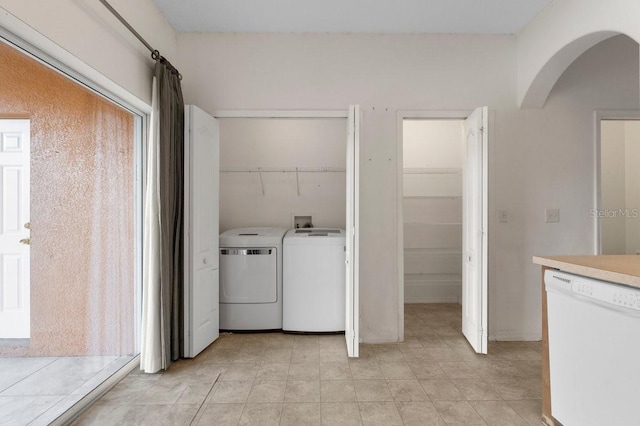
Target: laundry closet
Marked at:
282, 217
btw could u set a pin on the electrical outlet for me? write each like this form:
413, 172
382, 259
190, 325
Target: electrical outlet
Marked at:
503, 216
552, 216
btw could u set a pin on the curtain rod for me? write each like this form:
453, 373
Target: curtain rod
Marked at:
130, 28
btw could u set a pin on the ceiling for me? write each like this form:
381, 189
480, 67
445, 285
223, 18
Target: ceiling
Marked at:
351, 16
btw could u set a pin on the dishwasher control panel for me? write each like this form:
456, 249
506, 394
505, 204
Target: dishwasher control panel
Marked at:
614, 294
629, 300
601, 291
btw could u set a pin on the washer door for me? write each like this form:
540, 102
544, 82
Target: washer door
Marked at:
248, 275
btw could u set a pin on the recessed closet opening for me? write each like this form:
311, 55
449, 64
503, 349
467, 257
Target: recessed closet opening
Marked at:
281, 172
618, 213
433, 155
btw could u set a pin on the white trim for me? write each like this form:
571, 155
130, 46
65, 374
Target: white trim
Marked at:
435, 115
352, 233
600, 115
401, 115
485, 228
187, 349
22, 36
356, 234
274, 113
400, 225
140, 126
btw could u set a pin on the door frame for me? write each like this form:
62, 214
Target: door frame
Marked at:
599, 115
248, 113
400, 117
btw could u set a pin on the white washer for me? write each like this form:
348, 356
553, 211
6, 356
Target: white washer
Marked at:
251, 279
314, 280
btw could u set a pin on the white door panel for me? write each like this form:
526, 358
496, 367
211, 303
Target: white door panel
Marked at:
14, 255
474, 231
352, 334
201, 230
205, 309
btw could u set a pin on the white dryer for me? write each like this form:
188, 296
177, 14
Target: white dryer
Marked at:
251, 279
314, 280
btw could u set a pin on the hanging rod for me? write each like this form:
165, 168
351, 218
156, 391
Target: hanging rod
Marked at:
281, 170
129, 27
155, 54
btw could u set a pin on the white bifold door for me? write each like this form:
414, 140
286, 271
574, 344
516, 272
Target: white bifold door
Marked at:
474, 230
352, 251
202, 182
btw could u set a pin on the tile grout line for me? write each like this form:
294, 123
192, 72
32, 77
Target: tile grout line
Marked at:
198, 411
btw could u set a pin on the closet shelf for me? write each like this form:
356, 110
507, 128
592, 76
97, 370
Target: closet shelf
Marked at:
282, 170
434, 223
296, 170
432, 197
425, 278
447, 251
431, 171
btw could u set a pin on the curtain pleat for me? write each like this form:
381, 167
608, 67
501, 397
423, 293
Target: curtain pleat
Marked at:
171, 179
151, 334
163, 257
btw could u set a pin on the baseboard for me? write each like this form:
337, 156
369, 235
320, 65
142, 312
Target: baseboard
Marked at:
514, 336
430, 299
378, 341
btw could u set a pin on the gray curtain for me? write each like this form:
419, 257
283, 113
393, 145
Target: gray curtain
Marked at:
171, 194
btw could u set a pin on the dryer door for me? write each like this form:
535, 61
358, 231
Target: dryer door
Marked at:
248, 275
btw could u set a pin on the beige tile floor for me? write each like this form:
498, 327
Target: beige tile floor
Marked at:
433, 378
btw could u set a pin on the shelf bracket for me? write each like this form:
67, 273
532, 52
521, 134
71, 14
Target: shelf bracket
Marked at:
297, 182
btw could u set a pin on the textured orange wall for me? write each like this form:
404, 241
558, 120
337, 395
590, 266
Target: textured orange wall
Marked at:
82, 211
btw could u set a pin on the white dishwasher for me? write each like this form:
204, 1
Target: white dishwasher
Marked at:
594, 350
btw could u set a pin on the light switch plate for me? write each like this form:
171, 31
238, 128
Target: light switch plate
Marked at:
552, 216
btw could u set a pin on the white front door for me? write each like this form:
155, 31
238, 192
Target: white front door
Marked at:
201, 230
474, 231
14, 232
352, 323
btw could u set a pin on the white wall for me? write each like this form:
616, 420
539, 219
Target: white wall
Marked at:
272, 144
538, 159
560, 33
545, 158
612, 184
432, 144
87, 31
382, 73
